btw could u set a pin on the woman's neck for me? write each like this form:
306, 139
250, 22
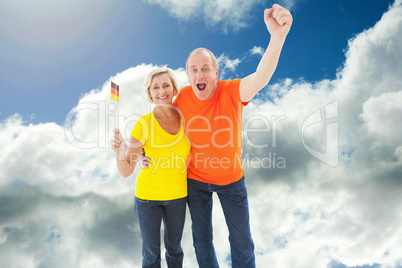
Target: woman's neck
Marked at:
163, 111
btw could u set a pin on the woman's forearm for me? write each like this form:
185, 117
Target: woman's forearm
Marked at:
124, 166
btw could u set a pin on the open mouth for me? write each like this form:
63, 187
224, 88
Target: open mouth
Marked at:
201, 86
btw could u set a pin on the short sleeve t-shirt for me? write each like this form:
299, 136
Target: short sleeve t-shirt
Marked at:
214, 129
166, 177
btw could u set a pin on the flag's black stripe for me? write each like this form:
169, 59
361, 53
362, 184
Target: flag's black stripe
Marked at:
115, 86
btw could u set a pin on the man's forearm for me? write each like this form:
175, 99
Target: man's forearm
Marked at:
268, 63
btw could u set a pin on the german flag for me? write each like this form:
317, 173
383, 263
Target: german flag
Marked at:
115, 92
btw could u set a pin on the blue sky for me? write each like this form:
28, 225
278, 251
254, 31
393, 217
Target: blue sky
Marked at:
52, 53
322, 150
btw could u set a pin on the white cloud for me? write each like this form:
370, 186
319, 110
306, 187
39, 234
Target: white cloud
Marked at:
381, 116
61, 204
257, 51
227, 65
224, 14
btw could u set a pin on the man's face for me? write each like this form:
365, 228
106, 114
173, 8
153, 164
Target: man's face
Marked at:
202, 75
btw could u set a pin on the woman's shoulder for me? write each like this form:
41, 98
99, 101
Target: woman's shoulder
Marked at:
146, 117
143, 121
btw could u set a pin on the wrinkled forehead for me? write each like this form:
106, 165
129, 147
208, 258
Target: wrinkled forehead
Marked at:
200, 58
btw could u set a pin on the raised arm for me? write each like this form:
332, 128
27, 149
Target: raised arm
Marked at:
278, 21
125, 162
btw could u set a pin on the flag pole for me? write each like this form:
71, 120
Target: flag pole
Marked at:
115, 96
117, 115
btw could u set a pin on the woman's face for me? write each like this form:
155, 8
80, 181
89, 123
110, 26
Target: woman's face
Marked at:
161, 89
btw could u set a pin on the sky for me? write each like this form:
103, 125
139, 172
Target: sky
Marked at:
322, 150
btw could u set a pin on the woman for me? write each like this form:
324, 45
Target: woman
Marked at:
161, 189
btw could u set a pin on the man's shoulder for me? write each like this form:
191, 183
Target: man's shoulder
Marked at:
231, 82
185, 89
184, 93
230, 89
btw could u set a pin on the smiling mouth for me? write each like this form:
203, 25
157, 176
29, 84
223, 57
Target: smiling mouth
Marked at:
201, 86
163, 98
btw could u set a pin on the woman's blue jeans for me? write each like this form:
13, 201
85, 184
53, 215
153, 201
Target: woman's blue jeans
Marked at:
233, 199
150, 215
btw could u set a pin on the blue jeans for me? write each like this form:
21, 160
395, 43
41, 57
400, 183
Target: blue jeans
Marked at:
233, 198
150, 215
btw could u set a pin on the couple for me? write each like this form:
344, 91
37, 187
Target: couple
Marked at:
207, 115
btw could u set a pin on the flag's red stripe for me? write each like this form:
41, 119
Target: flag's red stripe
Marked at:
115, 92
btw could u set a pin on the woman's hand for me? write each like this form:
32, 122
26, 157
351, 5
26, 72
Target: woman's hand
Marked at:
145, 161
118, 144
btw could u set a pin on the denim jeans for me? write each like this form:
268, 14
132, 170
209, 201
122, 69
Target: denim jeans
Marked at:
150, 215
233, 199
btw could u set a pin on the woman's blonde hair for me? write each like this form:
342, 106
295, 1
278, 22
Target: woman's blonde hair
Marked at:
152, 74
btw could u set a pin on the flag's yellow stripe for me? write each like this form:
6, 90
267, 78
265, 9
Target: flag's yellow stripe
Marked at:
114, 97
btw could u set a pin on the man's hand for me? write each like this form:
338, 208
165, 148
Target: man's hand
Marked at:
278, 21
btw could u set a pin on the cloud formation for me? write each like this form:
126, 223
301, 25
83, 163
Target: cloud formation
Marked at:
227, 65
257, 51
63, 202
223, 14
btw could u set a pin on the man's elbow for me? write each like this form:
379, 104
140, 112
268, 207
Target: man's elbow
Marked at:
254, 84
248, 95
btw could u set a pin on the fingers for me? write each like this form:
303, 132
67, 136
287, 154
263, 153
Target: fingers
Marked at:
281, 15
284, 17
267, 13
117, 139
275, 9
145, 162
115, 142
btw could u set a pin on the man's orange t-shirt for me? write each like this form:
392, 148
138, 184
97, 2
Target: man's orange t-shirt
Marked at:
214, 130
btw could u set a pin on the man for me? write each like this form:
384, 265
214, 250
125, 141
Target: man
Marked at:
211, 110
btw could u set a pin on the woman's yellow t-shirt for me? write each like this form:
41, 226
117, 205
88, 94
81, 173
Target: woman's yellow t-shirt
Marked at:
166, 177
